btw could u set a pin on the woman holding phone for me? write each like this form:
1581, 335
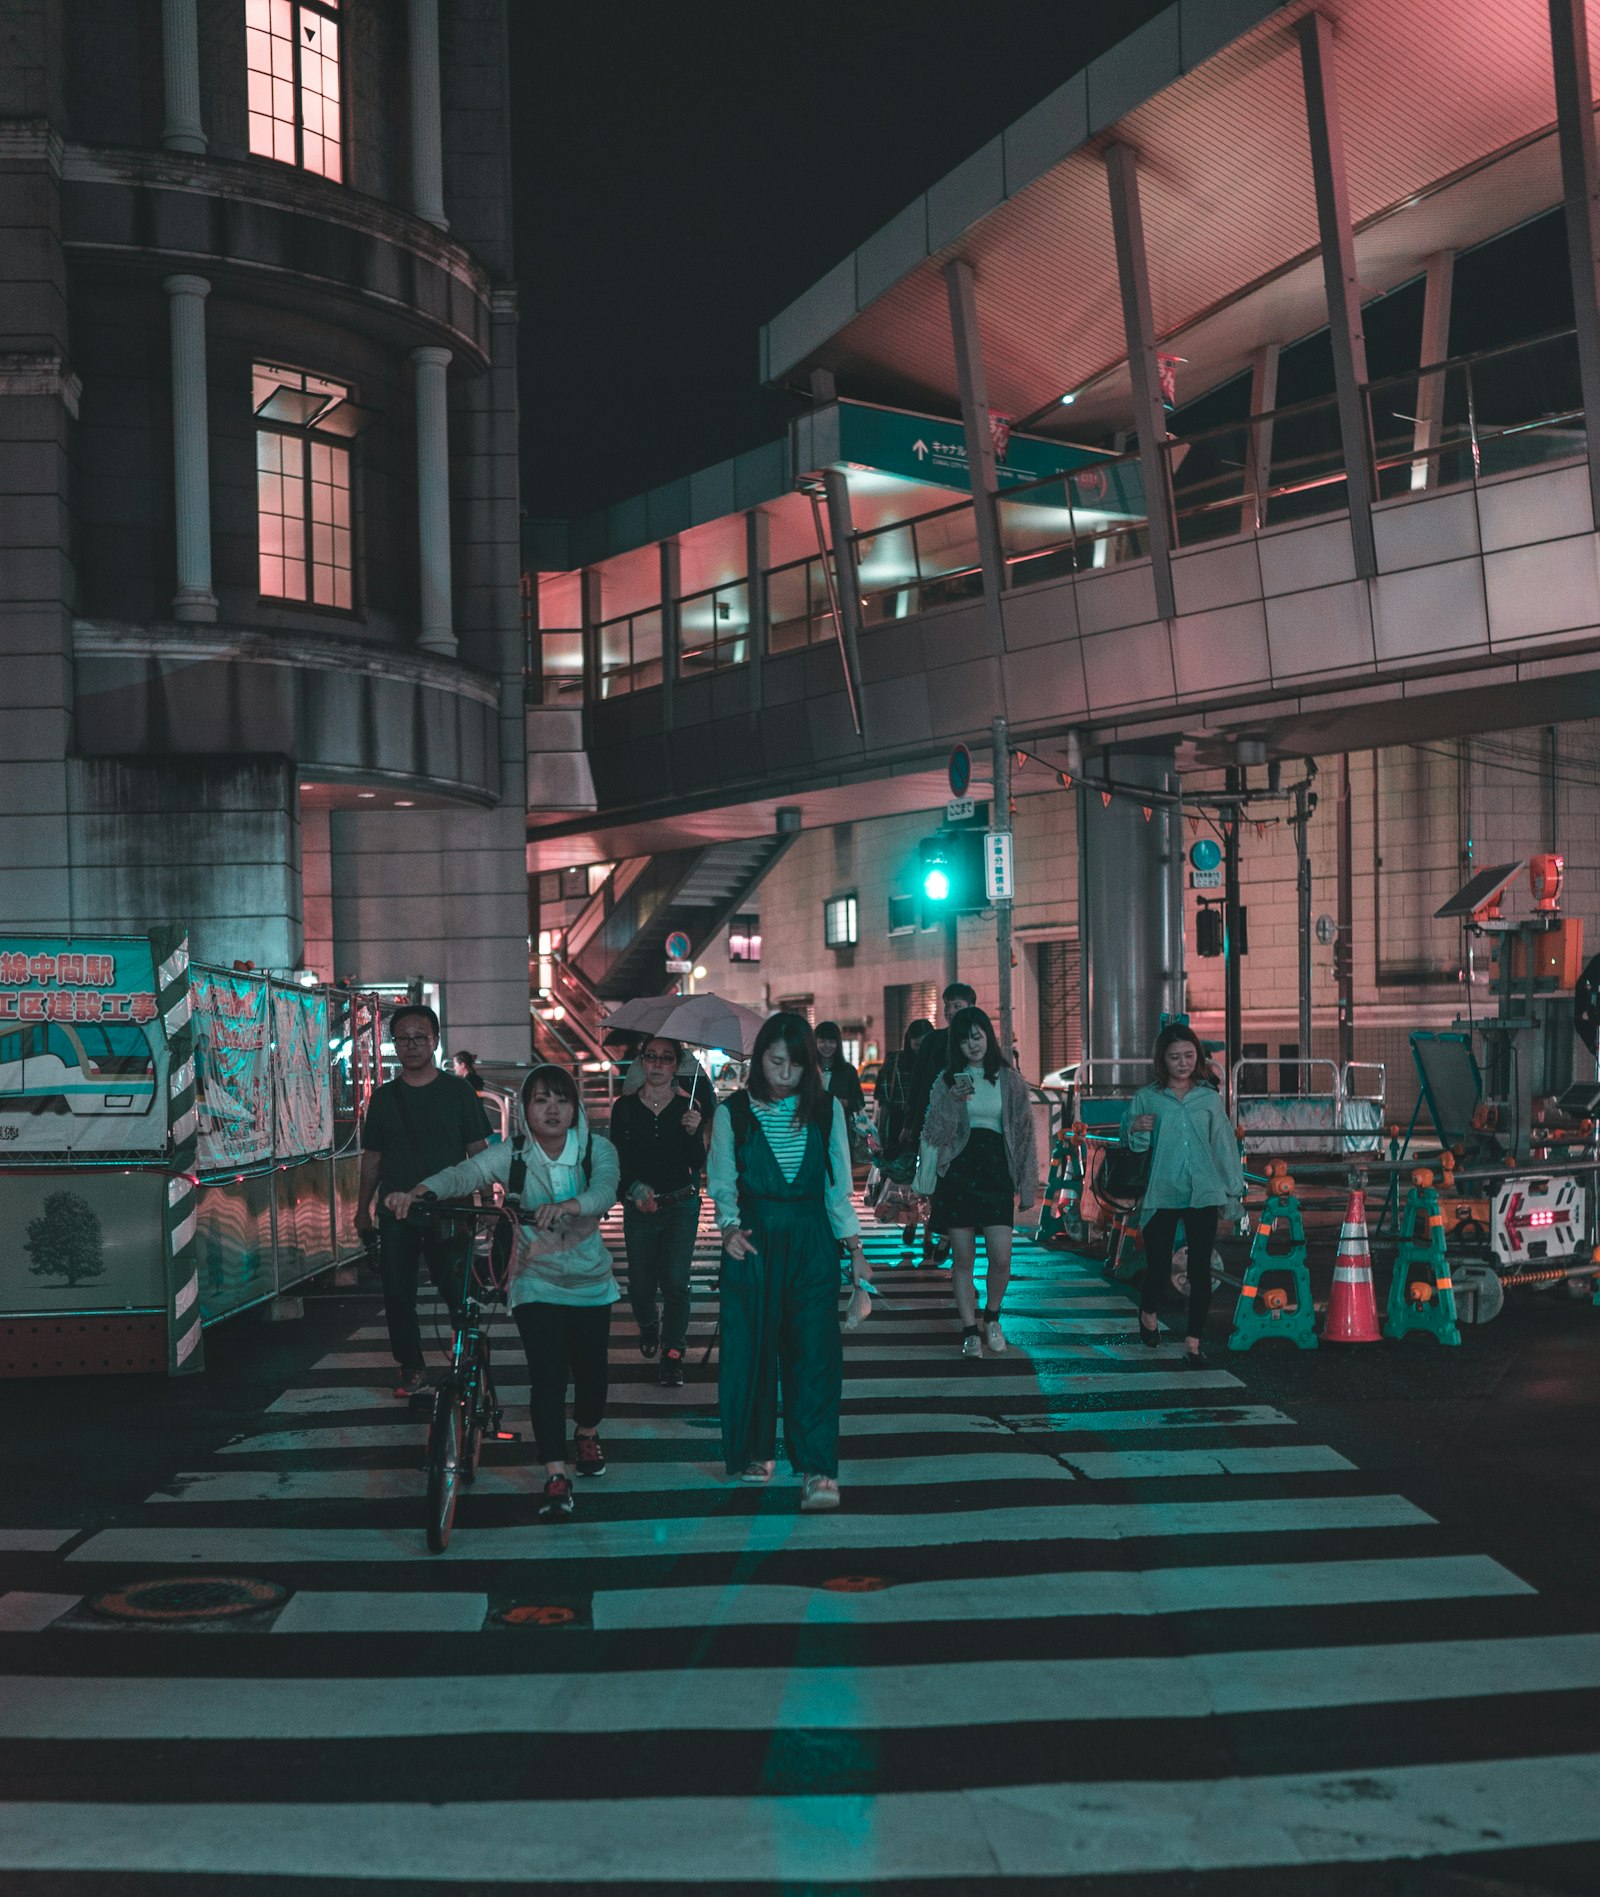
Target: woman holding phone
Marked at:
1195, 1174
978, 1141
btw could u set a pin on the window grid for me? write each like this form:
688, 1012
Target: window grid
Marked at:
839, 918
303, 516
292, 70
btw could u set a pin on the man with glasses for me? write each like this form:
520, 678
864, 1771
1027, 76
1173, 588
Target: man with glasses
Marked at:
417, 1124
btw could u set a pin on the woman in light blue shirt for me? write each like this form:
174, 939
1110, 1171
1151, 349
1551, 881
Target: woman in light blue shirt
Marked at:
1195, 1174
779, 1173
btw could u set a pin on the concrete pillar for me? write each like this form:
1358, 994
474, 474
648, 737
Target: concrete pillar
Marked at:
1139, 329
757, 558
974, 391
427, 153
671, 629
433, 501
180, 75
1263, 400
1131, 971
1428, 429
191, 454
1340, 282
1580, 190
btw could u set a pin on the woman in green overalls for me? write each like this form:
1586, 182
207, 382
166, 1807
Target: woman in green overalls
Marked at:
779, 1174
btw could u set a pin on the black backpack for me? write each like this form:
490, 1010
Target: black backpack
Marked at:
505, 1231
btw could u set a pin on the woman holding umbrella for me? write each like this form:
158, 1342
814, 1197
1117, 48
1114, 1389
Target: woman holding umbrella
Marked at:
779, 1172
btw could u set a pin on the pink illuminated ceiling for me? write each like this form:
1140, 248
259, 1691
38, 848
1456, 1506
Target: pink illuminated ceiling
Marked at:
1448, 109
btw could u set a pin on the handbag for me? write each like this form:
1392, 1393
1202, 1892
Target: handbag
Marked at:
1124, 1173
900, 1203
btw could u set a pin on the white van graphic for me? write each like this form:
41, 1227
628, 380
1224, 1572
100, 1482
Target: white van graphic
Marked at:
84, 1068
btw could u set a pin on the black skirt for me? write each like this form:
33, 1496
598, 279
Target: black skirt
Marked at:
977, 1190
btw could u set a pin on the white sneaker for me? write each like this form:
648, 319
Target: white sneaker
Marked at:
971, 1344
993, 1336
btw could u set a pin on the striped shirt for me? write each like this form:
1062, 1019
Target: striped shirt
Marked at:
776, 1118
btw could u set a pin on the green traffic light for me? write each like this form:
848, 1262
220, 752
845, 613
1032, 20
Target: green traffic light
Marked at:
936, 885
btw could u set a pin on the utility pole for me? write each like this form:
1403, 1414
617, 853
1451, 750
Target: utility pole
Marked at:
1233, 1021
1001, 772
1302, 849
1344, 939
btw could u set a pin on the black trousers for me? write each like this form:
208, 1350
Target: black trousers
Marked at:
1200, 1232
403, 1247
566, 1343
660, 1249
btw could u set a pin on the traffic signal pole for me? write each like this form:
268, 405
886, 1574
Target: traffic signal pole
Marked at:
1000, 816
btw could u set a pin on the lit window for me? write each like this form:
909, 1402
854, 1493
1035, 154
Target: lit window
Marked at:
902, 915
839, 922
744, 939
292, 56
303, 486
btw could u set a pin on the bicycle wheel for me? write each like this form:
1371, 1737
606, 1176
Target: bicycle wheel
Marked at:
472, 1440
444, 1466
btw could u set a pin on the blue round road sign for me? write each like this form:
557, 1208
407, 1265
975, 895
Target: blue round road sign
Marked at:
1206, 854
677, 946
960, 771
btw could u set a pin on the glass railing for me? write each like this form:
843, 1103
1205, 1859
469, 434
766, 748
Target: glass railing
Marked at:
1498, 412
553, 667
630, 653
1260, 471
799, 612
714, 630
912, 565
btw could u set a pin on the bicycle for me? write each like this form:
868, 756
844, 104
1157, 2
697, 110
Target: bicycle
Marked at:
465, 1409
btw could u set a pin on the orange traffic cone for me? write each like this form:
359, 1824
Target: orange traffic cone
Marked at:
1352, 1307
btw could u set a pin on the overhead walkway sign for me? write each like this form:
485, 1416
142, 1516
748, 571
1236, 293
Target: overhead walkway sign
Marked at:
925, 448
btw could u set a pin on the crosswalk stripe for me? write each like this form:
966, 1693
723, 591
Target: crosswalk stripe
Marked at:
335, 1398
1262, 1585
791, 1698
866, 1345
25, 1613
846, 1839
621, 1478
34, 1540
1132, 1465
651, 1429
313, 1611
681, 1536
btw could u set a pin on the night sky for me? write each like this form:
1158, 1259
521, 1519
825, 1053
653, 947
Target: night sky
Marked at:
683, 172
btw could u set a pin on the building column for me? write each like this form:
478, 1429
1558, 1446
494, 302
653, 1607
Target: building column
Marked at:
1138, 323
1580, 187
1326, 132
180, 76
1130, 939
427, 151
757, 558
974, 392
191, 454
1263, 400
433, 500
1428, 429
671, 628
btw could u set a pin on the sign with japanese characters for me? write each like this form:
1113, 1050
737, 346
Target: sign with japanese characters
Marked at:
925, 448
83, 1061
232, 1068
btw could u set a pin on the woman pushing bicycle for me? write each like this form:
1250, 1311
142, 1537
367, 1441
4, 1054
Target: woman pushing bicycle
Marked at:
562, 1286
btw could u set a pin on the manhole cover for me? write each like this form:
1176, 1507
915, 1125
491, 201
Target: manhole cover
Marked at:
857, 1584
536, 1616
191, 1597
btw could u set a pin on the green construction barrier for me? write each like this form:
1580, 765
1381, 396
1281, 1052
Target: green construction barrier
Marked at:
1258, 1314
1425, 1303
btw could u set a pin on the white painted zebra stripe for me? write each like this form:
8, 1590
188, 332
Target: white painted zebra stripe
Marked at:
994, 1833
620, 1478
866, 1345
1048, 1596
638, 1429
1134, 1465
1110, 1422
24, 1613
885, 1320
337, 1399
34, 1540
681, 1536
784, 1698
311, 1611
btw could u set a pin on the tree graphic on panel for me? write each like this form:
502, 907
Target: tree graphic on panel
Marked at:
64, 1242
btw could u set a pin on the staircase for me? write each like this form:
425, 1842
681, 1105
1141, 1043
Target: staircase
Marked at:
623, 949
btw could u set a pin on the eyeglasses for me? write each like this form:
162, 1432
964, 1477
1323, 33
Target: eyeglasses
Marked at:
659, 1060
413, 1040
